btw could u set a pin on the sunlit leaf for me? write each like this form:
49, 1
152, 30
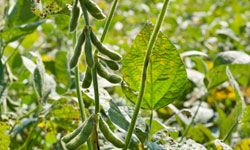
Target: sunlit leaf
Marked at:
167, 80
229, 123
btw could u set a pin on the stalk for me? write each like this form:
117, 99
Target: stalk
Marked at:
79, 94
94, 73
94, 144
94, 69
150, 47
191, 123
108, 22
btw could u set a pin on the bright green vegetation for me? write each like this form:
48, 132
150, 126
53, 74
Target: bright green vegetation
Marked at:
114, 74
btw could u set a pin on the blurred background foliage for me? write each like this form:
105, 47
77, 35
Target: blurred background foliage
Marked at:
35, 34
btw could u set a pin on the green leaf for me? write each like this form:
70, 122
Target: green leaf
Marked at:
155, 127
239, 97
117, 117
20, 22
158, 126
238, 70
12, 34
39, 80
229, 123
232, 57
167, 80
200, 134
21, 14
28, 64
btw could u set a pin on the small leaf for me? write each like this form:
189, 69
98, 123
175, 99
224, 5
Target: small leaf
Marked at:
117, 117
239, 97
29, 64
39, 81
155, 127
229, 123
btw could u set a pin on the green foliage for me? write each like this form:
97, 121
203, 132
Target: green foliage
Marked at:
228, 124
200, 134
238, 70
201, 54
167, 80
20, 22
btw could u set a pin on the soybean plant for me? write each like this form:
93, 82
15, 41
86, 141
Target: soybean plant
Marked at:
96, 62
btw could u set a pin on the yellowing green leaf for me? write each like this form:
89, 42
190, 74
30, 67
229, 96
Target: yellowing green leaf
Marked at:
167, 79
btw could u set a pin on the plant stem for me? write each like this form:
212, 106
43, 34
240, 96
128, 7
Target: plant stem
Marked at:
95, 143
150, 123
79, 95
191, 123
108, 22
94, 69
150, 46
85, 13
94, 73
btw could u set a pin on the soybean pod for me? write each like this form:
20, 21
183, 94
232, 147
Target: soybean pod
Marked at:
78, 49
109, 135
75, 13
87, 78
105, 74
84, 134
94, 9
88, 49
111, 64
103, 49
71, 135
